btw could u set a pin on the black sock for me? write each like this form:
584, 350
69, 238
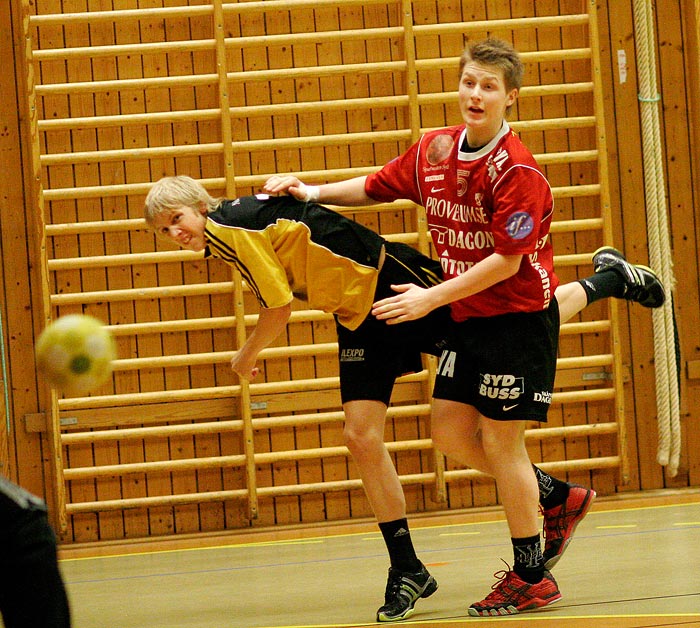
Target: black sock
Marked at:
607, 283
528, 562
398, 542
553, 492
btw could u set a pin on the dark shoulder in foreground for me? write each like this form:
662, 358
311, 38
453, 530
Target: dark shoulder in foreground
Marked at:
326, 227
257, 212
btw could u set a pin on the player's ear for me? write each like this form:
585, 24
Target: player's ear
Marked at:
203, 209
512, 96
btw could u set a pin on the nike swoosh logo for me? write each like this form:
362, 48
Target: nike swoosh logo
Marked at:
506, 408
434, 190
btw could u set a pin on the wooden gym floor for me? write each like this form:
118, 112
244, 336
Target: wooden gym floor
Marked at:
634, 562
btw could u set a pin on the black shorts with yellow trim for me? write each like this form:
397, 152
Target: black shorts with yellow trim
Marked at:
503, 365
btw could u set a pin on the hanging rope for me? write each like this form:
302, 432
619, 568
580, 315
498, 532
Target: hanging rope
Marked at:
660, 258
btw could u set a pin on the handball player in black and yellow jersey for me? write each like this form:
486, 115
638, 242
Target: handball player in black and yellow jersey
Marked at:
285, 247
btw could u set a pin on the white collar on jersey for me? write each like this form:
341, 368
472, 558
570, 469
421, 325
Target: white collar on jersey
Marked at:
484, 150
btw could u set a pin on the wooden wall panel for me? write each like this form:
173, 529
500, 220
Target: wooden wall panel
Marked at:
681, 160
144, 130
686, 242
9, 141
21, 290
679, 63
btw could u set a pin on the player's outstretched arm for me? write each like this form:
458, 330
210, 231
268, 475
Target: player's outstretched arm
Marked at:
345, 193
271, 323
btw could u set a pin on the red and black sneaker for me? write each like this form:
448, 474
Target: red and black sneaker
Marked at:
561, 521
512, 595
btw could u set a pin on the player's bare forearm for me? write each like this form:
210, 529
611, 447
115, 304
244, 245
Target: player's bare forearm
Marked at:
347, 193
271, 323
412, 302
484, 274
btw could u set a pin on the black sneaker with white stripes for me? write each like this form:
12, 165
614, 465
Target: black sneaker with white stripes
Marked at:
641, 283
402, 590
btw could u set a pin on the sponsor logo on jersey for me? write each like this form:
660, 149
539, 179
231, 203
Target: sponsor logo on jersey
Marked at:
501, 386
439, 148
546, 283
494, 164
444, 208
453, 267
436, 168
469, 241
435, 177
519, 225
352, 355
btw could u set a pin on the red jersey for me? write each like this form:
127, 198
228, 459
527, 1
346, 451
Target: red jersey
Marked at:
495, 199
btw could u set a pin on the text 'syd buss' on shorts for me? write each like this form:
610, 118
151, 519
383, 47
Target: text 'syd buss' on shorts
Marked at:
503, 365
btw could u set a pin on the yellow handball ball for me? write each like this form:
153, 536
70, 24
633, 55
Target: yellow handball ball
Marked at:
75, 353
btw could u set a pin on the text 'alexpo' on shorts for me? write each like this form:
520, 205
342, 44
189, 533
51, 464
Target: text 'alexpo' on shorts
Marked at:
375, 354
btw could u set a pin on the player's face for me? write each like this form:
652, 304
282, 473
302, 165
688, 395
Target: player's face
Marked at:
184, 226
483, 101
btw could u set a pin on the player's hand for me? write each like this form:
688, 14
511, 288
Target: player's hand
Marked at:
409, 304
287, 184
244, 367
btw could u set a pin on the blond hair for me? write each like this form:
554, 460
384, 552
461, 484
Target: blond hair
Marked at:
170, 193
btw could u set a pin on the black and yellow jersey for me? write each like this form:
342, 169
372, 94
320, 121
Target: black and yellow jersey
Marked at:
285, 248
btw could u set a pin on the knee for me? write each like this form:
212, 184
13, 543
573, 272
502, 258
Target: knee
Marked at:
361, 440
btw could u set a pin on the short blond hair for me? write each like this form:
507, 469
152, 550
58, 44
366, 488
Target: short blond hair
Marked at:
169, 193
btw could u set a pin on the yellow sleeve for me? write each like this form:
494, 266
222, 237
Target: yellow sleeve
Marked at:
254, 256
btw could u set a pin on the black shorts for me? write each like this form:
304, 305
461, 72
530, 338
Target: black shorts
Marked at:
503, 365
375, 354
